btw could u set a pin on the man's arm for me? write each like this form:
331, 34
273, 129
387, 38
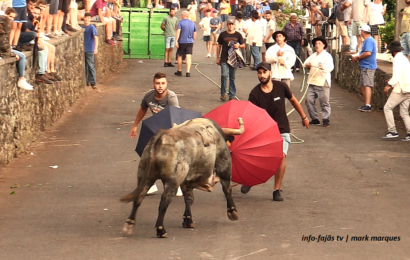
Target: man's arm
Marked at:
298, 107
218, 54
194, 36
96, 44
177, 37
163, 26
140, 115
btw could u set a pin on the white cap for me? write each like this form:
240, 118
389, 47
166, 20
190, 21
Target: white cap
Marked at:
365, 28
293, 14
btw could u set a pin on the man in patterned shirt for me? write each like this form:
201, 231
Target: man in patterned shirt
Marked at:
295, 35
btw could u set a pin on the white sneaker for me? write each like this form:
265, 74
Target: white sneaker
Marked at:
22, 83
158, 6
153, 189
149, 6
208, 56
43, 37
179, 192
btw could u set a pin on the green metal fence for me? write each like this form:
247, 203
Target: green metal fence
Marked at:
142, 33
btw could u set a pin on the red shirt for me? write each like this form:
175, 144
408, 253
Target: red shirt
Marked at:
99, 4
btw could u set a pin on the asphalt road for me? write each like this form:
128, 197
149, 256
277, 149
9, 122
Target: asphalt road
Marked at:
342, 181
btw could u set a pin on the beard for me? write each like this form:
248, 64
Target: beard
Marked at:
264, 82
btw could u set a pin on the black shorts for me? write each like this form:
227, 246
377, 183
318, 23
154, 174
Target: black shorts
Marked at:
21, 16
375, 29
185, 49
53, 7
64, 6
269, 44
48, 2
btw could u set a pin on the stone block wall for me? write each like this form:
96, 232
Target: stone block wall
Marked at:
349, 78
25, 114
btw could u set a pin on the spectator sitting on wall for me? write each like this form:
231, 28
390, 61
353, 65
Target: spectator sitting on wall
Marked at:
73, 16
98, 11
90, 49
210, 8
114, 13
9, 16
33, 24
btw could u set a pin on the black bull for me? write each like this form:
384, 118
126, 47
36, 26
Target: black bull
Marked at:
191, 155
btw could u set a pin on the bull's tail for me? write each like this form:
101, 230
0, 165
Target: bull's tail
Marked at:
144, 175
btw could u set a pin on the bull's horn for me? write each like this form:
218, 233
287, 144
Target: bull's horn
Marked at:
231, 131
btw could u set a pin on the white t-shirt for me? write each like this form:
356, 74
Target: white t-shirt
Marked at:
205, 23
359, 10
347, 12
193, 9
264, 25
270, 26
239, 27
376, 16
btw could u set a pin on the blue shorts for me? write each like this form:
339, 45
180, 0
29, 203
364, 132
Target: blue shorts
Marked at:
169, 42
286, 142
21, 16
207, 38
224, 17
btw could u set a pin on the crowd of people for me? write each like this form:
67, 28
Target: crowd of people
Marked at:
29, 26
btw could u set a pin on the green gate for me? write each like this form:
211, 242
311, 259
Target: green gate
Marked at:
143, 37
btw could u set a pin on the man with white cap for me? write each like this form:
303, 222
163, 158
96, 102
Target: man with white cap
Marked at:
400, 82
368, 66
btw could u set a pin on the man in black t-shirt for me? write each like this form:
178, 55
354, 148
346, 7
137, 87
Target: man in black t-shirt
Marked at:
270, 95
224, 40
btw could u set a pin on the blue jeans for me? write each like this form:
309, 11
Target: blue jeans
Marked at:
42, 61
228, 70
248, 10
26, 37
296, 45
233, 9
21, 64
89, 68
255, 55
405, 43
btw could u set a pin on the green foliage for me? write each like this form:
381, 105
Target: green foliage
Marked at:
387, 31
390, 9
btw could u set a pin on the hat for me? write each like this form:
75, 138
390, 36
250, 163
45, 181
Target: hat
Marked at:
394, 46
293, 14
365, 28
279, 32
319, 39
263, 65
231, 21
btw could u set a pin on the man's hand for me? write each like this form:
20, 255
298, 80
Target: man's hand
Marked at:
386, 90
302, 42
307, 65
355, 58
264, 40
281, 62
218, 60
176, 45
280, 53
349, 22
133, 132
305, 123
17, 57
95, 51
236, 46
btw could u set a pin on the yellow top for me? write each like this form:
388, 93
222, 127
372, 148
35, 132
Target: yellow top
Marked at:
226, 10
405, 22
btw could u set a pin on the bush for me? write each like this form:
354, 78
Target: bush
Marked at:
387, 32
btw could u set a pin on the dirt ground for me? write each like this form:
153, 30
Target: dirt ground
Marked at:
342, 181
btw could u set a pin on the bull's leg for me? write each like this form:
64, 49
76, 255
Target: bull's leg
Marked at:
139, 193
170, 189
226, 188
189, 200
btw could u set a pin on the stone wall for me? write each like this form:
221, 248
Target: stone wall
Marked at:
25, 114
349, 78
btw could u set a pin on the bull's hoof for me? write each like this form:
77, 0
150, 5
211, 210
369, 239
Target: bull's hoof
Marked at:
161, 233
187, 222
128, 227
232, 214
